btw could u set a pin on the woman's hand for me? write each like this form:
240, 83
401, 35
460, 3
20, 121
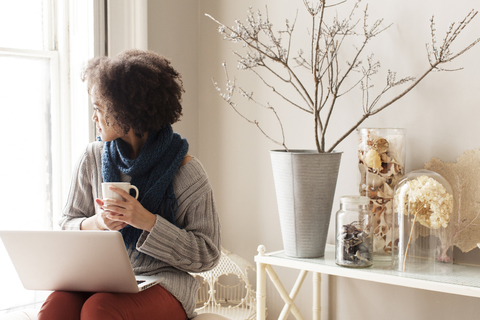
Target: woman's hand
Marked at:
100, 221
129, 211
103, 222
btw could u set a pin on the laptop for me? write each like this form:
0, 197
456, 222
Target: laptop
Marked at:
92, 261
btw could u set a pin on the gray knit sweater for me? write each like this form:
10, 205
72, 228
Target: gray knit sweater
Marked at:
193, 248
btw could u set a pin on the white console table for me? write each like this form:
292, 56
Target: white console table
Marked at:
464, 280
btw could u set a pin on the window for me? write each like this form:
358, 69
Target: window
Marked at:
44, 44
27, 159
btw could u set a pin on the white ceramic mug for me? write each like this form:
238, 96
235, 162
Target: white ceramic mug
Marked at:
110, 194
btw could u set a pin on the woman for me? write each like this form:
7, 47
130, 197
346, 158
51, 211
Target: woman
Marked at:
173, 227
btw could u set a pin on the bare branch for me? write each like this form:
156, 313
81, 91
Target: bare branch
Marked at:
301, 91
230, 89
368, 114
320, 91
336, 4
464, 50
279, 94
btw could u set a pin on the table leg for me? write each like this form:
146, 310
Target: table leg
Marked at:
283, 293
261, 290
293, 294
317, 303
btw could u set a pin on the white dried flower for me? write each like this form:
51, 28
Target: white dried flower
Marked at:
427, 199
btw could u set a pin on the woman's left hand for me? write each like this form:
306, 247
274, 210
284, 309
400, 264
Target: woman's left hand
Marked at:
129, 211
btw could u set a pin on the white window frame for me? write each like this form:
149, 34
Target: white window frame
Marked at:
70, 115
66, 114
53, 57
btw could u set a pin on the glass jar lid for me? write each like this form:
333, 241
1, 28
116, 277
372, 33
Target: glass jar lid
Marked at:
360, 200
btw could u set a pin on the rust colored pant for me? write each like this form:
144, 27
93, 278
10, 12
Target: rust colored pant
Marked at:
151, 304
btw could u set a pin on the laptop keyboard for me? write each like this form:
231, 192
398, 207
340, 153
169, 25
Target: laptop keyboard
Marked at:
140, 281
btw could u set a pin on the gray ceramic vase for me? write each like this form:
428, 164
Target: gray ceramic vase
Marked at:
305, 183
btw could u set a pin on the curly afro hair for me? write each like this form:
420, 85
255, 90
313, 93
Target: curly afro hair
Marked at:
138, 90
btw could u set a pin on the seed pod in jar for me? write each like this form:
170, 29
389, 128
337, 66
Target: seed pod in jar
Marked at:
373, 160
381, 145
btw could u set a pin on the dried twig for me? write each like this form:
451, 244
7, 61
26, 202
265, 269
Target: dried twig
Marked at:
231, 88
319, 94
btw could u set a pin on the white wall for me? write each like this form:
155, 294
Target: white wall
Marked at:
173, 32
441, 117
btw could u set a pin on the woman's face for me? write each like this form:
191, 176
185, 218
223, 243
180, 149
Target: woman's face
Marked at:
107, 132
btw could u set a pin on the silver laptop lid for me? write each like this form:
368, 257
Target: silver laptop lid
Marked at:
94, 261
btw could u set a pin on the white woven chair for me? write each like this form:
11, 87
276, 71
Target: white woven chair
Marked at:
234, 300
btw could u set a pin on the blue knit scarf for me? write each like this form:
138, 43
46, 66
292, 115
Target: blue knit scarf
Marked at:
152, 173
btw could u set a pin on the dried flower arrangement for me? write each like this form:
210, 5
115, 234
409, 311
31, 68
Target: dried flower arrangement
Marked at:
381, 165
270, 58
427, 202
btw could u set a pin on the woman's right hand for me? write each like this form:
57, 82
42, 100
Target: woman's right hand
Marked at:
100, 221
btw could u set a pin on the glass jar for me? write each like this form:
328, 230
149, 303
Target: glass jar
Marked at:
353, 231
423, 205
381, 162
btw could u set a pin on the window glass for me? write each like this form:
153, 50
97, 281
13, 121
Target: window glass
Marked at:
25, 30
43, 46
25, 191
25, 92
